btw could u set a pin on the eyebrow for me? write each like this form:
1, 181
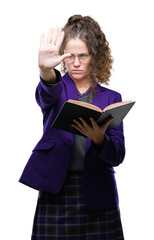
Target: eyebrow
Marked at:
78, 53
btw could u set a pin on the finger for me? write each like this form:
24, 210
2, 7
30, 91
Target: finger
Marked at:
49, 36
78, 124
107, 123
79, 129
64, 56
42, 39
55, 35
85, 124
60, 39
94, 123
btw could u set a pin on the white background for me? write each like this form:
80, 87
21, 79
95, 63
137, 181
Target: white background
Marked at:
128, 26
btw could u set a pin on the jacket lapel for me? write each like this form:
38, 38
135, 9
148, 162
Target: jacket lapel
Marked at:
99, 97
72, 92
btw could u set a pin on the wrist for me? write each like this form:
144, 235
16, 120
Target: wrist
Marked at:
99, 142
48, 75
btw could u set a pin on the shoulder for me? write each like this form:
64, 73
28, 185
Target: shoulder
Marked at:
109, 92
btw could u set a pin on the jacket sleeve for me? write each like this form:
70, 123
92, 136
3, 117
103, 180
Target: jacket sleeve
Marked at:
113, 151
47, 94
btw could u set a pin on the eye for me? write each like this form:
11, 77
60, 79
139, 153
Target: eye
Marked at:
83, 56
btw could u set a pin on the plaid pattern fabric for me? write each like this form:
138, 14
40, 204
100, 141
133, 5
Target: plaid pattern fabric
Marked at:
63, 216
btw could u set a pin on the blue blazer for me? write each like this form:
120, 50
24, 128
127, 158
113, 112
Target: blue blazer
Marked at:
48, 164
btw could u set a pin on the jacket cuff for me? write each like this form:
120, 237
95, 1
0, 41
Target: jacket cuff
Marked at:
58, 79
112, 153
53, 90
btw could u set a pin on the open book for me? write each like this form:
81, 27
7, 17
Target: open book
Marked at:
73, 109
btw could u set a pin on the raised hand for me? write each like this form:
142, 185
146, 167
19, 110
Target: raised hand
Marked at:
48, 56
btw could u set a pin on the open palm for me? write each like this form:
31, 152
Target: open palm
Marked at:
48, 57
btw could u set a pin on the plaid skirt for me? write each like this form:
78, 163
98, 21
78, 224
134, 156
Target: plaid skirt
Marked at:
63, 216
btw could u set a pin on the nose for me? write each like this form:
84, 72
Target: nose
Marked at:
76, 61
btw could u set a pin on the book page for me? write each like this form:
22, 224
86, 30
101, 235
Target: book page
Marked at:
84, 104
114, 105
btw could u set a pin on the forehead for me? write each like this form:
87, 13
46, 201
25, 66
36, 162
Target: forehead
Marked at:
76, 45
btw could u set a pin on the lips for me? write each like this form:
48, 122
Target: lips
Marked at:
76, 71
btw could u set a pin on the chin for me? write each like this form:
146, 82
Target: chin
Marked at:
77, 76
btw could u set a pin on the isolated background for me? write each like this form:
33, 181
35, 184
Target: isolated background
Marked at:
128, 26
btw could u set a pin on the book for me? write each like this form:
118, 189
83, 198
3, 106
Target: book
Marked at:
73, 109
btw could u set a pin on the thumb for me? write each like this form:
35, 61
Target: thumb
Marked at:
65, 55
107, 123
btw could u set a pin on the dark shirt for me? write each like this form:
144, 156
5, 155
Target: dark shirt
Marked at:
79, 147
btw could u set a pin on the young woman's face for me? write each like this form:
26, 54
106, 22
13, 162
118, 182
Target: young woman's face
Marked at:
78, 64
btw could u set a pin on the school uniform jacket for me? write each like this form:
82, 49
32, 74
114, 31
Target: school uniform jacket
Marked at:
48, 164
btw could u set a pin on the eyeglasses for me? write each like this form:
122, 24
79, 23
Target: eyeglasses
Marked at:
83, 57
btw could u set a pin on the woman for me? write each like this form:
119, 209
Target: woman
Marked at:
78, 196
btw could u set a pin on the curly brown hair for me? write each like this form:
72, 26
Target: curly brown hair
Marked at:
88, 30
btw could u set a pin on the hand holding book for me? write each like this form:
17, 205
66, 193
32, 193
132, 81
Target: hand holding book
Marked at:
93, 131
73, 110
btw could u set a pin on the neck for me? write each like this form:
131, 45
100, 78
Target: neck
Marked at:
82, 85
